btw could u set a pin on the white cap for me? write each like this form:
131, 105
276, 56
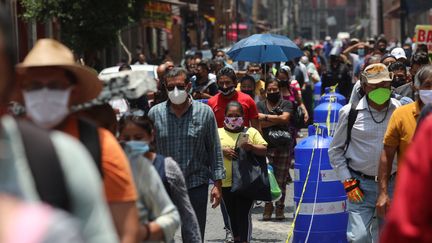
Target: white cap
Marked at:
398, 53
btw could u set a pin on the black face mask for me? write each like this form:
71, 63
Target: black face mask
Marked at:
251, 93
273, 97
383, 49
284, 83
398, 81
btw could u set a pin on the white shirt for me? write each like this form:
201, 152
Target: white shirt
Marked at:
366, 142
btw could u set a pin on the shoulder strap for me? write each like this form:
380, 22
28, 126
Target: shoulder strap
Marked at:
89, 137
45, 166
352, 117
159, 164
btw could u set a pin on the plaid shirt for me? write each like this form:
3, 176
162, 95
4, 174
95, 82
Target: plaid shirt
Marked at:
192, 140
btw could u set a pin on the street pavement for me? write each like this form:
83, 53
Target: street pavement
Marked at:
263, 231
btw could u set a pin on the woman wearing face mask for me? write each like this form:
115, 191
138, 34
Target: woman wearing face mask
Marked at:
158, 215
238, 207
275, 114
290, 90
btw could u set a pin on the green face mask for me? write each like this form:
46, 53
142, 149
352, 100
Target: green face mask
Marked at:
379, 96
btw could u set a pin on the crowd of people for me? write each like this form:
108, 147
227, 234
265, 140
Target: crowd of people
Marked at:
144, 171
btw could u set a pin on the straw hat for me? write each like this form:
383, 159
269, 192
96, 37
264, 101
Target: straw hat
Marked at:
51, 53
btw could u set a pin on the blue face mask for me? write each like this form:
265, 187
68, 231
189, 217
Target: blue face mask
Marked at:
136, 148
361, 52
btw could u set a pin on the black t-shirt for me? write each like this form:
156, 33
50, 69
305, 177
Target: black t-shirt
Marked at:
283, 106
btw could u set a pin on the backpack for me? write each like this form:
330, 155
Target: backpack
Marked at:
45, 167
352, 117
159, 164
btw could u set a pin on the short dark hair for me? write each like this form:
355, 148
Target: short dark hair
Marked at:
420, 58
203, 65
253, 64
271, 81
227, 71
247, 78
143, 122
125, 67
175, 72
234, 104
397, 66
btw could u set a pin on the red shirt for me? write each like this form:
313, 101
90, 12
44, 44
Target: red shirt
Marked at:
218, 104
410, 216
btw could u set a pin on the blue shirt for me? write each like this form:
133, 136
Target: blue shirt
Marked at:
192, 140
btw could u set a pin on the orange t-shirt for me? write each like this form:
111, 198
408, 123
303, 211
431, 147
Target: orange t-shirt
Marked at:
118, 181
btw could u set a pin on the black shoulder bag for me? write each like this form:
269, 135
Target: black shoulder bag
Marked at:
250, 176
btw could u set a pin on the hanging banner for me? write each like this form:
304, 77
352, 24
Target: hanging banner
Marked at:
157, 15
424, 35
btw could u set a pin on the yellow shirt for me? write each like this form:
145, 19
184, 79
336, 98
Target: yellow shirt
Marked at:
401, 127
259, 89
229, 139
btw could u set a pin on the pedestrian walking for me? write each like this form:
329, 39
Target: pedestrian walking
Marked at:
400, 132
410, 214
238, 207
141, 131
254, 70
356, 147
35, 156
274, 115
187, 132
227, 82
159, 217
50, 82
418, 60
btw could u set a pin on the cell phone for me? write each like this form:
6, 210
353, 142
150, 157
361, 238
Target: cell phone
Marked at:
243, 138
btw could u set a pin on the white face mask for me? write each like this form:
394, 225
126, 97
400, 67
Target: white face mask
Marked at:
47, 107
426, 96
177, 96
256, 76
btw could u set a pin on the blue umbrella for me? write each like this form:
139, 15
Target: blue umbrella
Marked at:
262, 48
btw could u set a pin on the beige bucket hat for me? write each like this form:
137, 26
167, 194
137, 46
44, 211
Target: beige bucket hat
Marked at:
51, 53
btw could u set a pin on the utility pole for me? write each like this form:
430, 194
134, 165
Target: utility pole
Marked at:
403, 14
198, 22
237, 20
381, 17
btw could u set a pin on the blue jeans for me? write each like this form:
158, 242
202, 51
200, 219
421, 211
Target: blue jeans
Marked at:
363, 224
199, 197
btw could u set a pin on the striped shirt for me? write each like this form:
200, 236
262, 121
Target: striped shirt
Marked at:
192, 140
366, 142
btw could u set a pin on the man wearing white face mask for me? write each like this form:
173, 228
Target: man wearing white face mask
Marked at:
187, 132
50, 82
400, 131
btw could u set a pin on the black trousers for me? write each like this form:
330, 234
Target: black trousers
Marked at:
239, 210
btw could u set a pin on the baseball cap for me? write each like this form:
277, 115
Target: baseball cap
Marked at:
377, 73
398, 53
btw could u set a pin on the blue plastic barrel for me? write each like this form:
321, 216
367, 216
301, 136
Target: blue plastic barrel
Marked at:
322, 111
333, 95
317, 93
326, 216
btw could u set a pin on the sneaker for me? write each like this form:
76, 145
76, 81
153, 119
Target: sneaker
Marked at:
229, 238
280, 212
268, 211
